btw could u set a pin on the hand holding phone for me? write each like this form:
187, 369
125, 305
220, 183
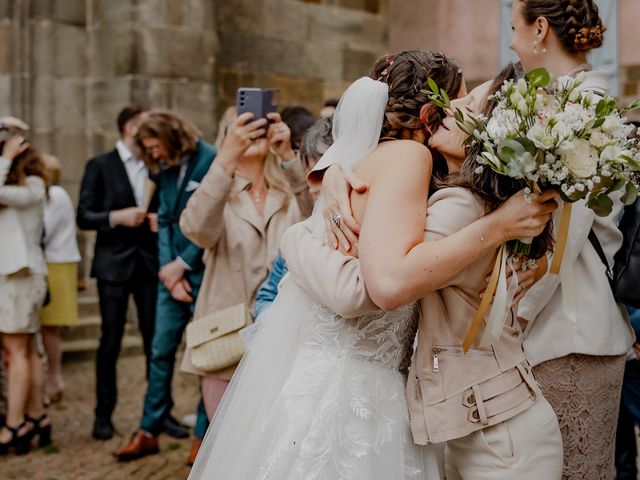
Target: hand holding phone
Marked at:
260, 102
241, 133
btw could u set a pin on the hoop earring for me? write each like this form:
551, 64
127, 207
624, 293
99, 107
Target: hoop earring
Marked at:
535, 48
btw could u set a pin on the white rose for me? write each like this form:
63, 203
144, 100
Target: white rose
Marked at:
580, 158
540, 138
599, 139
613, 154
611, 124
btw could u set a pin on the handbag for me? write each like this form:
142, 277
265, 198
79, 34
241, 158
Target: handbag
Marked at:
214, 339
625, 275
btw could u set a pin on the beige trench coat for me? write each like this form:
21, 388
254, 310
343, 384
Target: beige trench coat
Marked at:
240, 246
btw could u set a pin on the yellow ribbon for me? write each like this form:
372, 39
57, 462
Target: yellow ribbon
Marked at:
484, 304
563, 234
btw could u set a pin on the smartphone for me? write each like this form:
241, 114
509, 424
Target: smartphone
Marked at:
258, 101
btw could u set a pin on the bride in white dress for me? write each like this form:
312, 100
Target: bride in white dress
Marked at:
320, 396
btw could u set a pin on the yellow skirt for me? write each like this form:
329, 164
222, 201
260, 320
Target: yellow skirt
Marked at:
62, 310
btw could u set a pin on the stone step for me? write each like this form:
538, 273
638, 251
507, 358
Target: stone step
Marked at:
89, 328
88, 305
84, 349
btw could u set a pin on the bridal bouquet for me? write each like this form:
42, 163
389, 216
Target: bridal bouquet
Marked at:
555, 135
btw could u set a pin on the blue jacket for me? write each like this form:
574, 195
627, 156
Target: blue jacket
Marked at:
173, 199
269, 288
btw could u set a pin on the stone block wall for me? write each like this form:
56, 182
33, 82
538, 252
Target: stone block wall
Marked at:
310, 49
68, 66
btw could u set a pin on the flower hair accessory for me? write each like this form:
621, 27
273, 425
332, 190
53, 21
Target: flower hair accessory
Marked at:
385, 73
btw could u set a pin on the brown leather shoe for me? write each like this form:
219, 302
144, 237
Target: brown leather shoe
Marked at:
193, 453
140, 445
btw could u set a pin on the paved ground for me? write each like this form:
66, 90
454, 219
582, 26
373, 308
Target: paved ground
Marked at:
76, 455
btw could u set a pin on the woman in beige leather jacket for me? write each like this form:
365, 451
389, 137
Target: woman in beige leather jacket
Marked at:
485, 404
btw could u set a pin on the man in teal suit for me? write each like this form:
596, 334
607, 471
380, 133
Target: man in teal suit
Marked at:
173, 144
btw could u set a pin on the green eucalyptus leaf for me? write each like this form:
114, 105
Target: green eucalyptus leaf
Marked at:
630, 194
617, 185
538, 78
509, 150
601, 205
601, 108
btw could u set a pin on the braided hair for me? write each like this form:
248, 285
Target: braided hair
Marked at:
406, 73
576, 23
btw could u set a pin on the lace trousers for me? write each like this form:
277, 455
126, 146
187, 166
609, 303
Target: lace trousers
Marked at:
584, 391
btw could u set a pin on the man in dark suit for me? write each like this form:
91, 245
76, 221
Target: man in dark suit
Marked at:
174, 143
112, 197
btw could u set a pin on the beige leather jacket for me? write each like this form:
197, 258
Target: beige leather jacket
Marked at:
449, 393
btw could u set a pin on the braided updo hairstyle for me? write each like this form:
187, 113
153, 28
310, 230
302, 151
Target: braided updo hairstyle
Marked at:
407, 73
577, 23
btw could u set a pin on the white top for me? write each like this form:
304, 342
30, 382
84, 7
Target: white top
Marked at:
136, 171
21, 223
601, 326
60, 245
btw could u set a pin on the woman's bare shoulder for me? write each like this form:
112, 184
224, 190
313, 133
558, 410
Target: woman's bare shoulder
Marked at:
401, 154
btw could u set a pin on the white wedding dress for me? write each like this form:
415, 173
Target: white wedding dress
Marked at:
318, 396
342, 413
337, 413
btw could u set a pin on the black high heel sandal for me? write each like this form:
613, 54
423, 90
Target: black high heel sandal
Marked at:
22, 443
43, 433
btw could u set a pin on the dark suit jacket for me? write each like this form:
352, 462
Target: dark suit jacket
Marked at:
173, 199
106, 187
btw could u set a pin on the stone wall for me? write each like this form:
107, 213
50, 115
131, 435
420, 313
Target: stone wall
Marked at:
68, 66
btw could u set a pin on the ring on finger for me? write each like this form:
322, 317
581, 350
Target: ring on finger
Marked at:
521, 286
336, 218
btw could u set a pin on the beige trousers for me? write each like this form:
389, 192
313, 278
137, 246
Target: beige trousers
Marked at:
525, 447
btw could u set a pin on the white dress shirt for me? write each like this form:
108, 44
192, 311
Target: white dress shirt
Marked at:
136, 171
60, 245
601, 326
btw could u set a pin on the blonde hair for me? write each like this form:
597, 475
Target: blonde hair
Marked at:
52, 169
274, 175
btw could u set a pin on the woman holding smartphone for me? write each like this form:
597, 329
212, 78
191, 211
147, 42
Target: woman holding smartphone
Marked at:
238, 215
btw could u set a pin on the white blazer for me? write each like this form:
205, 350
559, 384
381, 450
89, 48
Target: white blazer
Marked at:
601, 326
60, 244
21, 224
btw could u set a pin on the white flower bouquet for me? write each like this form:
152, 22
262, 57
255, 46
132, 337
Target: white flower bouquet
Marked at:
553, 134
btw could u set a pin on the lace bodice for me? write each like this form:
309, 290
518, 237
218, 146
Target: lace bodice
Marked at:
382, 338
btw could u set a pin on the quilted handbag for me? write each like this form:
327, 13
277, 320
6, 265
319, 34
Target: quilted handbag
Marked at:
214, 339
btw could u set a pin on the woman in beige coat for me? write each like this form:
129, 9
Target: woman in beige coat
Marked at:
238, 214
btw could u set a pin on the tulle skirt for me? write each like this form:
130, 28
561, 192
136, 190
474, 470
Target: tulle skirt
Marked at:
293, 411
